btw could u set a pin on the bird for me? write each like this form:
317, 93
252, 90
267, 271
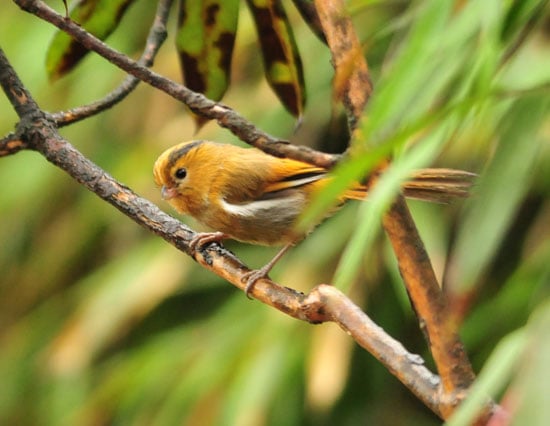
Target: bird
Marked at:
247, 195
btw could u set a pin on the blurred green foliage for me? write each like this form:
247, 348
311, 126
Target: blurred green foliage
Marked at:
102, 323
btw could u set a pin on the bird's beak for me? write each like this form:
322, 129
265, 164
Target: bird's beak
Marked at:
168, 193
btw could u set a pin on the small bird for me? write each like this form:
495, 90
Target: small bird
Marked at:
247, 195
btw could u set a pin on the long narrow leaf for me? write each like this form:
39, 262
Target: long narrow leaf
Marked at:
499, 192
283, 66
205, 40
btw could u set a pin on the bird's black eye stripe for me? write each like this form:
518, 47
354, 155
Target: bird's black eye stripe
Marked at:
180, 173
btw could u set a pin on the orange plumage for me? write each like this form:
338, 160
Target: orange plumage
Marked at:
247, 195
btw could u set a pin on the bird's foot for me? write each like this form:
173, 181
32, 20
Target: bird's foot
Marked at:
252, 277
202, 238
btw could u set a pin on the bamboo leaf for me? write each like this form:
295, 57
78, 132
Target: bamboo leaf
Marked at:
283, 66
99, 17
521, 16
499, 192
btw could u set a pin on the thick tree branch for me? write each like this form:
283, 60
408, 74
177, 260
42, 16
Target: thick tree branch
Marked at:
199, 104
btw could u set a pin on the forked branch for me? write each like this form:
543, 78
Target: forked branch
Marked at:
36, 130
324, 303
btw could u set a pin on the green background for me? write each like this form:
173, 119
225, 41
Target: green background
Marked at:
104, 323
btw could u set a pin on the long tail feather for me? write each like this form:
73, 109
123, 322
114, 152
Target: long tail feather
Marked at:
439, 185
433, 185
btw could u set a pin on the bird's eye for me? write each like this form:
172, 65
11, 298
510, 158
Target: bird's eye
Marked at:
180, 173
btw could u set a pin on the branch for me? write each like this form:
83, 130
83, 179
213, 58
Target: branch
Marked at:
324, 303
352, 81
428, 300
157, 35
333, 305
414, 264
198, 103
10, 144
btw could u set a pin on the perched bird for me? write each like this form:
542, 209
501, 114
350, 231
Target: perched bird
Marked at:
247, 195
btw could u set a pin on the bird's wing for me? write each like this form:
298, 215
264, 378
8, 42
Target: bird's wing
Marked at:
292, 174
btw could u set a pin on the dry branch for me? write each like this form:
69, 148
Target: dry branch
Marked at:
36, 130
351, 82
324, 303
11, 144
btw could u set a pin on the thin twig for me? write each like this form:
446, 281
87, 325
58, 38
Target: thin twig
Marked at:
198, 103
157, 35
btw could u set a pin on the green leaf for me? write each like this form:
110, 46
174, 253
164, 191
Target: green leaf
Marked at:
529, 384
521, 16
98, 17
381, 197
205, 40
499, 192
523, 355
492, 379
283, 66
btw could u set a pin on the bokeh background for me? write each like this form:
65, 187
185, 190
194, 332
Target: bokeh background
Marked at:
104, 323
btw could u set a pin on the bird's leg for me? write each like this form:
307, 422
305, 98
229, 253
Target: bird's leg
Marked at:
253, 276
202, 238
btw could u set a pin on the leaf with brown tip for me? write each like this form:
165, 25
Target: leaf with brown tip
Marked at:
205, 40
283, 66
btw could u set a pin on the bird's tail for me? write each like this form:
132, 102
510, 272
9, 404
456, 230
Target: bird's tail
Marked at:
433, 185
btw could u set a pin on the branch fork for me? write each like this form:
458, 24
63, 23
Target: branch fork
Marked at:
38, 130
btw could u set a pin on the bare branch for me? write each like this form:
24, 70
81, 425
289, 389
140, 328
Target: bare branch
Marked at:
157, 35
408, 368
199, 104
16, 93
324, 303
428, 300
